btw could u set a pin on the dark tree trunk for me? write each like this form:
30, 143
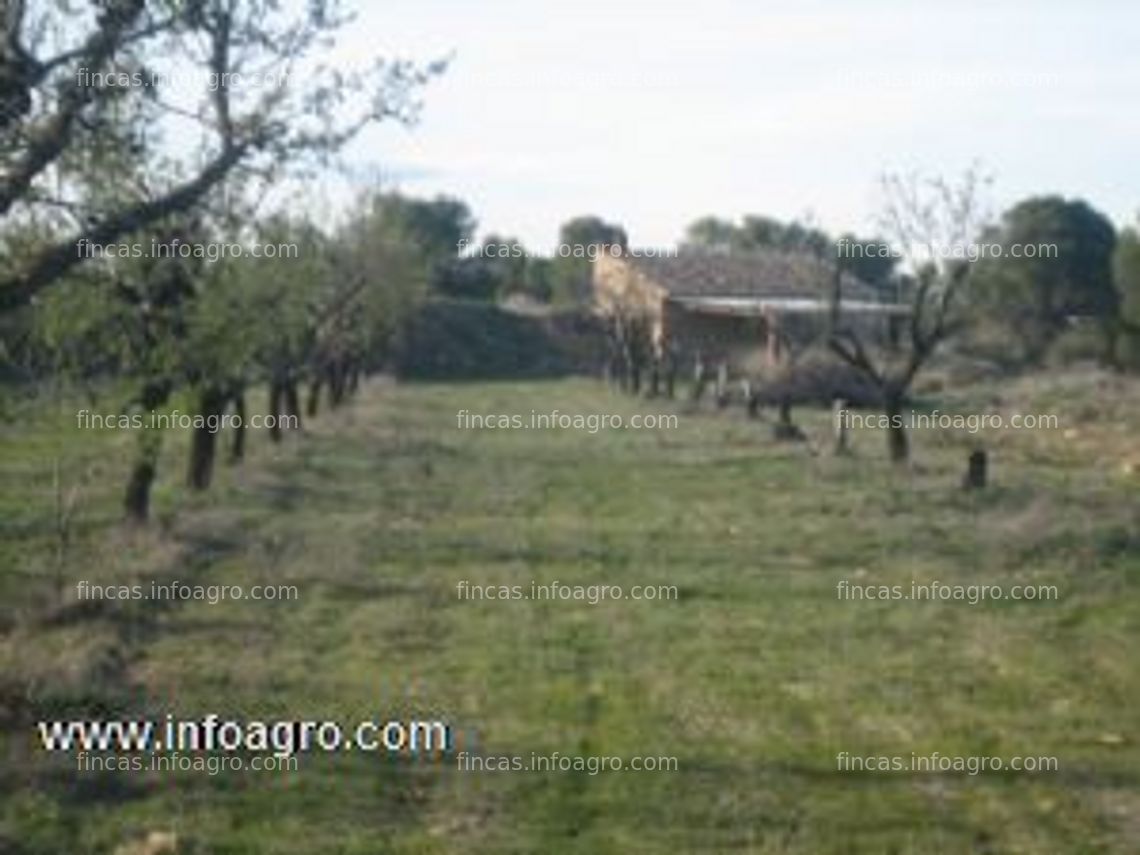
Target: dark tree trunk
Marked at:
204, 442
977, 465
276, 392
237, 448
751, 398
292, 403
785, 429
203, 446
753, 403
336, 385
898, 446
634, 378
136, 502
654, 379
313, 405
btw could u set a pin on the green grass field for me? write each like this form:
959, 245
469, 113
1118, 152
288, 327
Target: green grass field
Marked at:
754, 678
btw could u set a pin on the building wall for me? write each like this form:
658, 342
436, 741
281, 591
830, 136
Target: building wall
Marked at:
740, 341
622, 290
745, 343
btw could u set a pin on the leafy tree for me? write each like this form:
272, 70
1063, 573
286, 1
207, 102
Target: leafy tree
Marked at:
153, 299
871, 261
1038, 295
759, 232
590, 231
85, 93
712, 233
380, 279
436, 231
539, 278
507, 259
580, 239
468, 277
438, 228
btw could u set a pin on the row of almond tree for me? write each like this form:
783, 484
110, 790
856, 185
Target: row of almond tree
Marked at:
174, 330
178, 124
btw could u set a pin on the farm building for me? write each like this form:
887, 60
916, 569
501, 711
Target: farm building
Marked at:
744, 311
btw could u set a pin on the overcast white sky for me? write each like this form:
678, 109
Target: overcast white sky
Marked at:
653, 114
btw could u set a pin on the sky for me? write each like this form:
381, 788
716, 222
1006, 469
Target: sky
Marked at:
654, 114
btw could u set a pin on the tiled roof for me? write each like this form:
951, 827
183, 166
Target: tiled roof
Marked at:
771, 273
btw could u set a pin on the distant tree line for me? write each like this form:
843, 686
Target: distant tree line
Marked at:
1093, 275
1051, 275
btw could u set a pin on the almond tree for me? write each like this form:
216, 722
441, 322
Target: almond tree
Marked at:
925, 220
90, 92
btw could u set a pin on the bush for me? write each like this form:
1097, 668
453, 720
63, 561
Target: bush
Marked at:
817, 377
468, 340
1083, 342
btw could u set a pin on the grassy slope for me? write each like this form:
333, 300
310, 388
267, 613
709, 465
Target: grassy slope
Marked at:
755, 679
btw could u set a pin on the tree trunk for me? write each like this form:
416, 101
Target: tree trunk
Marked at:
292, 403
976, 466
839, 425
275, 395
237, 448
136, 502
654, 379
336, 384
314, 402
785, 429
898, 446
204, 442
753, 403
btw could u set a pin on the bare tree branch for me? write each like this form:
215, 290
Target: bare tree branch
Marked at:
62, 257
50, 139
